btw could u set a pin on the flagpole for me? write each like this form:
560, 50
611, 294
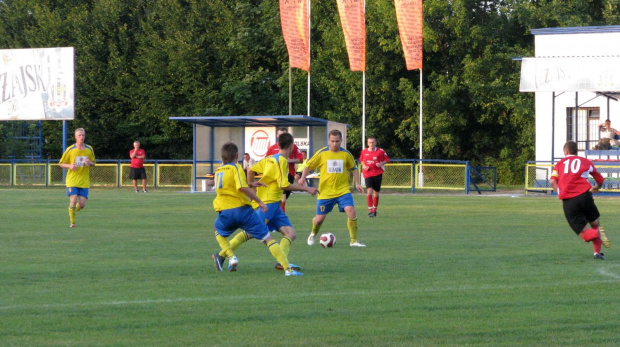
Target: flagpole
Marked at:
309, 51
364, 95
363, 107
290, 91
421, 173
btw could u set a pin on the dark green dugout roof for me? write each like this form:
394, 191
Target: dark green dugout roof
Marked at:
254, 121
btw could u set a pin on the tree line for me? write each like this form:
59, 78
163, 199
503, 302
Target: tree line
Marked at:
139, 62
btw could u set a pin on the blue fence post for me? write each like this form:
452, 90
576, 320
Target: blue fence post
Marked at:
413, 173
467, 177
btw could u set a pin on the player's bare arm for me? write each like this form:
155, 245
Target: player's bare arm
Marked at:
554, 185
356, 180
302, 179
299, 188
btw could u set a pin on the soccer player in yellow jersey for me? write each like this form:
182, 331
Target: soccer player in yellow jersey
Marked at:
334, 163
274, 170
77, 159
233, 205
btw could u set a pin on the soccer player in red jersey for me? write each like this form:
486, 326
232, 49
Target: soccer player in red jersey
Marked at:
295, 158
373, 161
570, 180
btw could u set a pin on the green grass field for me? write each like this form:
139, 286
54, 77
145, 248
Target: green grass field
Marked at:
438, 270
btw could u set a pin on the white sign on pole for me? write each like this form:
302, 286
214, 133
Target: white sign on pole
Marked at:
258, 140
37, 84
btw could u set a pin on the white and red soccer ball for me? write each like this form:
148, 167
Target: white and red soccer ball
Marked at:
327, 240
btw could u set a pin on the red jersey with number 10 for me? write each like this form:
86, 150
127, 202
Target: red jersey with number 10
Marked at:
572, 173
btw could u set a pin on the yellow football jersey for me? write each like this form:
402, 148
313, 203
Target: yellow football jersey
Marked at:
275, 175
229, 178
80, 178
334, 171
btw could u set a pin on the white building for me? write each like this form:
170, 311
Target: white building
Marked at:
576, 77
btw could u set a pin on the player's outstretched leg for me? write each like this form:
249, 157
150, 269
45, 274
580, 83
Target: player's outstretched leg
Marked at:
603, 236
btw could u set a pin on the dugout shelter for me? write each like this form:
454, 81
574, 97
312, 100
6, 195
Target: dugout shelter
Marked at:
253, 135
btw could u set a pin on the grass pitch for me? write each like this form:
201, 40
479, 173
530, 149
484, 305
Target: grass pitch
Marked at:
438, 270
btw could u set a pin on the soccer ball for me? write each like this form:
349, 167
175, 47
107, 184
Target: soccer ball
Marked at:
328, 240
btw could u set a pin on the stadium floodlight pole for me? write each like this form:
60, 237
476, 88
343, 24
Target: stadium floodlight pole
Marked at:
421, 173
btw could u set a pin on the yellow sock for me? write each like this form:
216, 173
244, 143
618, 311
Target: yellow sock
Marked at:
285, 244
225, 245
352, 226
72, 214
315, 227
277, 253
78, 207
236, 241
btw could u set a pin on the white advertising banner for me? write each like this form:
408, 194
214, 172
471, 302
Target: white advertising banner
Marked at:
258, 140
37, 84
570, 74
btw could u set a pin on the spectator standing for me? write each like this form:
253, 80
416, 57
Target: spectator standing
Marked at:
77, 159
136, 169
373, 162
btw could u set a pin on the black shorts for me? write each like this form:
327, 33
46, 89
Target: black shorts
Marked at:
137, 173
579, 211
291, 179
374, 182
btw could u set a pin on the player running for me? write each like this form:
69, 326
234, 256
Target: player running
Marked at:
373, 160
274, 170
77, 159
294, 158
570, 180
233, 205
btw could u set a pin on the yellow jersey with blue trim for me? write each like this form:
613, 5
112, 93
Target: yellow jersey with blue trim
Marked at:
80, 177
334, 168
229, 178
274, 170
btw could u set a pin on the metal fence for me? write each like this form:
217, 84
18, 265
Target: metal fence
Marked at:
538, 175
399, 174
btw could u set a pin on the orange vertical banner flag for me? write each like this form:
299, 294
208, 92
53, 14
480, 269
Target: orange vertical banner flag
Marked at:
354, 27
410, 22
294, 19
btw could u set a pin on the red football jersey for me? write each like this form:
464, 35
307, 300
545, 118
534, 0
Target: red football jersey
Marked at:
295, 154
371, 158
137, 162
571, 174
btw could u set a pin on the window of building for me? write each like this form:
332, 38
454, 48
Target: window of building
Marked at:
582, 126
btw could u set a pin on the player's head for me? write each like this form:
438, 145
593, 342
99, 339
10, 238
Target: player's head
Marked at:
285, 143
246, 156
80, 135
570, 147
230, 152
335, 140
372, 143
607, 123
305, 154
280, 132
136, 144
